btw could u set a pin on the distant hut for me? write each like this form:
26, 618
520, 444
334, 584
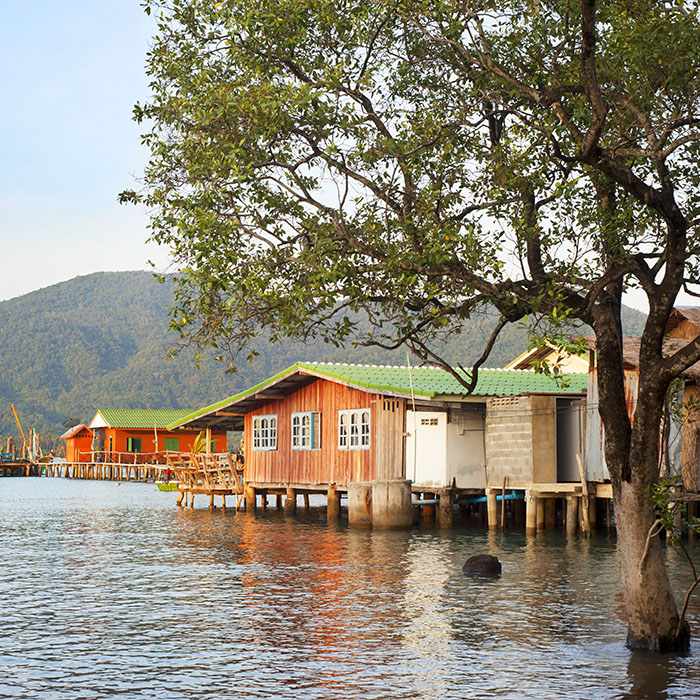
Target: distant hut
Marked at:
78, 443
119, 431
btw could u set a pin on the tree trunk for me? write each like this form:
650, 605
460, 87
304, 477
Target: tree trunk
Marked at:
651, 609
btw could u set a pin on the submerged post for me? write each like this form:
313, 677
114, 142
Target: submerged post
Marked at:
571, 515
250, 499
531, 502
492, 508
391, 504
360, 504
445, 512
333, 503
290, 502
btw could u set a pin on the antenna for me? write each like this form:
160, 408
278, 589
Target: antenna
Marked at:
415, 418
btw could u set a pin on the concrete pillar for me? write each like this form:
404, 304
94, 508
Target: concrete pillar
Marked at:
445, 511
360, 504
531, 501
571, 515
290, 501
333, 507
391, 504
250, 499
492, 508
540, 514
550, 513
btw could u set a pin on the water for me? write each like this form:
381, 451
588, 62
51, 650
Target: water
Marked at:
110, 590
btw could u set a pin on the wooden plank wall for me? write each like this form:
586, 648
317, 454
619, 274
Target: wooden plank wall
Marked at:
391, 425
327, 465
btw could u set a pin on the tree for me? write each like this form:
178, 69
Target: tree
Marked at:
385, 169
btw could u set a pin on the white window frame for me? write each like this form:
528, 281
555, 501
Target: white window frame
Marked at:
264, 429
306, 430
355, 429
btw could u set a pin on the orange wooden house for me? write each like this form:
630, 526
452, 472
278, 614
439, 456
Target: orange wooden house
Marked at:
143, 432
78, 443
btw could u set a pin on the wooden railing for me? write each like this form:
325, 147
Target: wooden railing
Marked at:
212, 474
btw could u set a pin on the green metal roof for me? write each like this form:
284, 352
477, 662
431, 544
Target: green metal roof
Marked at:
424, 382
142, 418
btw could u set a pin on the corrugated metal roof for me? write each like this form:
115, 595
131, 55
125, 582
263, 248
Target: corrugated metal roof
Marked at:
141, 418
425, 383
73, 431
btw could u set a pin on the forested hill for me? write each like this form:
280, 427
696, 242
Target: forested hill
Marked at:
101, 341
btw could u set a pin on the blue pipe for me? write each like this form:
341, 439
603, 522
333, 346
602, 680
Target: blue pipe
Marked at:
512, 496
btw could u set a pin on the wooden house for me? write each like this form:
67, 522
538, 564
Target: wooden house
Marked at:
78, 443
681, 448
139, 433
556, 359
322, 427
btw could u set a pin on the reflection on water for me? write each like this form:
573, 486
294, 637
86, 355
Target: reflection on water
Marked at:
113, 591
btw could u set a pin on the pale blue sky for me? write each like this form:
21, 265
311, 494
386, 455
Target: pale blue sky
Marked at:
70, 73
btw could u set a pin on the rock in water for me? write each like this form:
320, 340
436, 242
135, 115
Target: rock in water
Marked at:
483, 564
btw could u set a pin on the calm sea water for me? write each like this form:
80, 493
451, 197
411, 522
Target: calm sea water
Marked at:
111, 590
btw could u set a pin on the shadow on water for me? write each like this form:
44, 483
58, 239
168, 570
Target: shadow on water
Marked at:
114, 591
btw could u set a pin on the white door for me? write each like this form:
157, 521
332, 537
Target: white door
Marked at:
426, 448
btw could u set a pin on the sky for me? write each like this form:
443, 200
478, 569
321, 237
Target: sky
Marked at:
71, 72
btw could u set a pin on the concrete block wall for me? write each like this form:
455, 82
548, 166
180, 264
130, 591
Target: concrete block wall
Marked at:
509, 439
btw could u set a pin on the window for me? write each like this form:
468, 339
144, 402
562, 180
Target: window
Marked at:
133, 444
265, 432
306, 430
353, 429
171, 444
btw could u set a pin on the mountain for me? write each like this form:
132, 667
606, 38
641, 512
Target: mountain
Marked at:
101, 341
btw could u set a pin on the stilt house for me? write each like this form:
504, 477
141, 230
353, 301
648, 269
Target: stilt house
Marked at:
78, 443
120, 431
315, 425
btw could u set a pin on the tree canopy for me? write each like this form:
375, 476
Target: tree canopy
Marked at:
316, 162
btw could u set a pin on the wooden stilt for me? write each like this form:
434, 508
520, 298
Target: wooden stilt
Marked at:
250, 499
333, 503
445, 511
540, 514
290, 502
278, 498
306, 501
550, 513
571, 515
211, 501
428, 512
263, 500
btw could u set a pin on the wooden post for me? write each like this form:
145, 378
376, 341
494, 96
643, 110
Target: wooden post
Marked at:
518, 511
263, 500
445, 512
278, 501
211, 501
592, 511
492, 508
550, 513
540, 514
250, 499
305, 496
223, 501
503, 503
531, 512
584, 509
428, 512
290, 502
571, 515
333, 503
